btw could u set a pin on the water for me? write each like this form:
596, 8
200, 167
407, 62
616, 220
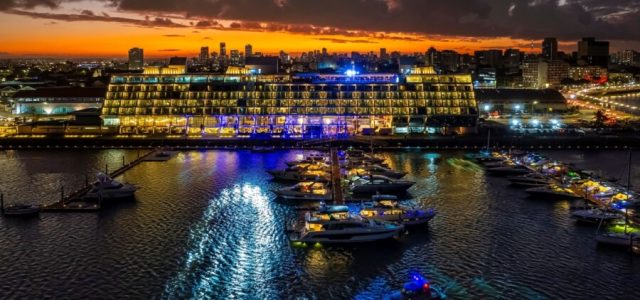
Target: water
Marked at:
205, 225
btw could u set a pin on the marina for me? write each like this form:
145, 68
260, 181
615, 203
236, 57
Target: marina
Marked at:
484, 230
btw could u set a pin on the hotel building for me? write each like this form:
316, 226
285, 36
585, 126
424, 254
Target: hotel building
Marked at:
241, 103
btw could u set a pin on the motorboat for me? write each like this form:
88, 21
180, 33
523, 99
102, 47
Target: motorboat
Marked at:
386, 208
308, 159
595, 216
379, 184
508, 170
305, 191
107, 188
618, 239
319, 229
553, 191
290, 175
530, 180
418, 288
376, 170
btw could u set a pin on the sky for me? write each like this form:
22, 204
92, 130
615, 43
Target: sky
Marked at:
108, 28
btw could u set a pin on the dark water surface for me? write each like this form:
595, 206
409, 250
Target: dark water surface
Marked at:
206, 226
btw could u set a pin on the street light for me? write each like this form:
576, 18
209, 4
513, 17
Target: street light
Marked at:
533, 107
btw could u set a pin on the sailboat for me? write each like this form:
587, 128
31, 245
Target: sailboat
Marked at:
625, 239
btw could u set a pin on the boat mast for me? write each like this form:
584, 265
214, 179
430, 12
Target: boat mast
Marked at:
1, 203
626, 207
489, 140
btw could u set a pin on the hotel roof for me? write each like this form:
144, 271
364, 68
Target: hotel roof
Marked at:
62, 92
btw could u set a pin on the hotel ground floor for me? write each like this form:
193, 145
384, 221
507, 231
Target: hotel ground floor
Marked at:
289, 126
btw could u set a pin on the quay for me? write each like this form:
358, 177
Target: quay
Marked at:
336, 178
69, 203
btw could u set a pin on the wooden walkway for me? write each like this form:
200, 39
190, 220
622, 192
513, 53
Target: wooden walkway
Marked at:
336, 180
74, 202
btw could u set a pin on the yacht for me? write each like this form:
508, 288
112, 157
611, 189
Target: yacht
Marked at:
595, 216
553, 191
618, 239
107, 188
508, 170
318, 229
530, 180
376, 170
263, 149
308, 159
379, 184
289, 175
386, 208
418, 288
305, 191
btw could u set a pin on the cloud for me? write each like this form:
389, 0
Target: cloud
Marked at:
346, 41
174, 35
520, 19
169, 50
89, 16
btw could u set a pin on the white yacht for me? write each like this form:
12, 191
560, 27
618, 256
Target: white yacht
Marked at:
308, 159
324, 228
305, 191
107, 188
530, 180
364, 170
386, 208
297, 176
379, 184
553, 191
618, 239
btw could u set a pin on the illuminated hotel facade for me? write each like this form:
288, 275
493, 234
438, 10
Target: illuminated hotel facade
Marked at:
240, 103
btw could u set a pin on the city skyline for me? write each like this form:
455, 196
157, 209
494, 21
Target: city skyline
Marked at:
109, 29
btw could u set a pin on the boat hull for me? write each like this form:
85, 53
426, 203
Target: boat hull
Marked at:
346, 237
397, 188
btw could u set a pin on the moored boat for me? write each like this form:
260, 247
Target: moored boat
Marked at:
305, 191
379, 184
418, 288
595, 216
553, 191
107, 188
386, 208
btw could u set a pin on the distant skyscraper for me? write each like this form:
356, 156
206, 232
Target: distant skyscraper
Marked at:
492, 58
248, 50
324, 52
383, 53
234, 59
204, 54
223, 49
550, 48
593, 53
136, 59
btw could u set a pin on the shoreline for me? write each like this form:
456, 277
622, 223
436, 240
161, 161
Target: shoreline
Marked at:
383, 143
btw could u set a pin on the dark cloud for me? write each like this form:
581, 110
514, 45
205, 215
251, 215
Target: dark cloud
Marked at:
147, 22
524, 19
174, 35
346, 41
169, 50
570, 19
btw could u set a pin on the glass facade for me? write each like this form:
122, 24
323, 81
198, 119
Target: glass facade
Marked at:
288, 105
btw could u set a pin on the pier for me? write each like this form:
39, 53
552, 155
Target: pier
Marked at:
336, 178
69, 203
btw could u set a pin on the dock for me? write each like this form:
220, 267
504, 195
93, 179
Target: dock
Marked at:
336, 178
72, 202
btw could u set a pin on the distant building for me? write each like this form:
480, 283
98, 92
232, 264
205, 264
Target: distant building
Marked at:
383, 54
235, 58
485, 78
626, 57
509, 101
448, 60
590, 73
511, 61
223, 49
57, 101
593, 53
248, 51
177, 65
136, 59
550, 49
262, 65
204, 54
491, 58
544, 74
